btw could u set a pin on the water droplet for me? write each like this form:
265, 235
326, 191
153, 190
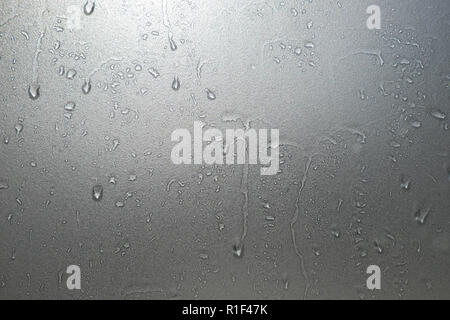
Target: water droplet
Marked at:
89, 7
336, 233
405, 183
34, 91
395, 144
378, 247
112, 180
71, 74
316, 251
210, 94
438, 114
19, 128
416, 124
204, 256
237, 250
86, 87
176, 84
61, 70
309, 45
70, 106
97, 192
116, 144
420, 216
120, 204
173, 45
155, 73
3, 184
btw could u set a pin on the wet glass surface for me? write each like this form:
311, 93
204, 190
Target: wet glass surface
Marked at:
91, 93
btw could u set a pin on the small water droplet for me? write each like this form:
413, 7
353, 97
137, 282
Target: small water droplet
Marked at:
97, 192
204, 256
155, 73
420, 216
309, 45
336, 233
416, 124
378, 247
395, 144
173, 45
70, 106
116, 144
119, 204
210, 94
237, 250
3, 184
176, 84
405, 183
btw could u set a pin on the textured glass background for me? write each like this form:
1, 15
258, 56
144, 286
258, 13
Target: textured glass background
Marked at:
91, 94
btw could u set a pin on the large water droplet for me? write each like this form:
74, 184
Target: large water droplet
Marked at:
19, 128
34, 91
438, 114
86, 87
71, 74
89, 7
